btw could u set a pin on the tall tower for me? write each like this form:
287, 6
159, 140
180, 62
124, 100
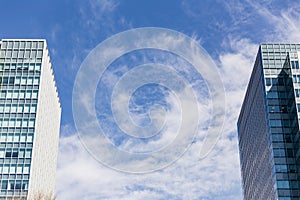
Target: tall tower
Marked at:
268, 125
29, 120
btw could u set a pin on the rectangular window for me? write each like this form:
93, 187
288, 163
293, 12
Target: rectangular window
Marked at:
297, 92
38, 67
23, 81
26, 108
34, 94
33, 54
33, 109
27, 53
17, 80
12, 169
34, 45
28, 94
22, 45
7, 109
36, 81
26, 169
21, 54
25, 123
18, 123
279, 152
19, 169
272, 95
39, 54
28, 44
20, 108
2, 153
9, 53
16, 138
275, 123
5, 169
23, 138
283, 184
4, 185
21, 153
268, 81
281, 168
11, 123
28, 153
9, 94
31, 123
10, 138
30, 138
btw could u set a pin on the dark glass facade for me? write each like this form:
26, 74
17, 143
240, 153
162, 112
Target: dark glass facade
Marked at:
268, 125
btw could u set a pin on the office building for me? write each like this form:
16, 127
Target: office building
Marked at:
268, 125
29, 120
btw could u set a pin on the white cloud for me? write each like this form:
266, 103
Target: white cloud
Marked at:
217, 176
80, 177
285, 21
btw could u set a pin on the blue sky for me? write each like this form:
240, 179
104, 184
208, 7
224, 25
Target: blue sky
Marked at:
230, 31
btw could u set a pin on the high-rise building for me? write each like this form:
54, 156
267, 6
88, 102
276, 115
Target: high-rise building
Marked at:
29, 120
268, 125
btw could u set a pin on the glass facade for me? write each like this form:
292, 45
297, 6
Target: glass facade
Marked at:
268, 125
20, 73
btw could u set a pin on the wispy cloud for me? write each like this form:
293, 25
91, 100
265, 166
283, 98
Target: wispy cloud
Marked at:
217, 176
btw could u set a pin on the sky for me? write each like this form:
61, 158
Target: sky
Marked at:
229, 32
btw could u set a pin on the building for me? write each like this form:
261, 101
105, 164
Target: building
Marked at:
268, 125
29, 120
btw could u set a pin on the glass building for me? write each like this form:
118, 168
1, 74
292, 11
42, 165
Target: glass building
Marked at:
29, 120
268, 125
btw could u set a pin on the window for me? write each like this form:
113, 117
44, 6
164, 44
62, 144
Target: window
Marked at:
275, 123
8, 154
22, 45
39, 54
272, 95
31, 123
2, 152
297, 92
28, 94
4, 185
34, 94
33, 109
10, 137
5, 169
12, 169
26, 108
15, 153
21, 153
27, 53
279, 152
19, 169
23, 138
28, 153
29, 138
21, 53
277, 137
295, 64
28, 44
15, 54
33, 54
268, 81
26, 169
283, 184
36, 81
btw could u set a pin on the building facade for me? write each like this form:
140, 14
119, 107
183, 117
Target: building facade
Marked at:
29, 120
268, 125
